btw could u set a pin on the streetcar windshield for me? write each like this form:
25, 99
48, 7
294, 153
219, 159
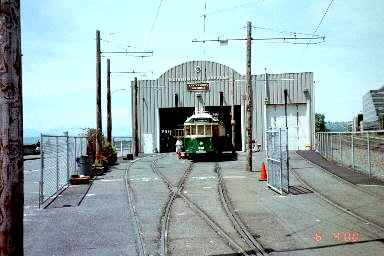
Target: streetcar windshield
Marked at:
200, 129
208, 130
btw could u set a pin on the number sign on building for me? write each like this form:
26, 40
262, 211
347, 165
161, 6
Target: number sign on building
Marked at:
198, 87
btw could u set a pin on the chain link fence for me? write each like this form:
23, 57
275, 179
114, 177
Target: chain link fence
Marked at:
123, 145
361, 151
277, 160
58, 162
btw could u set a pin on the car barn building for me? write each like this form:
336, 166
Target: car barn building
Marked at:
162, 105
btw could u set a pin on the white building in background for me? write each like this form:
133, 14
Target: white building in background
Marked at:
373, 109
165, 103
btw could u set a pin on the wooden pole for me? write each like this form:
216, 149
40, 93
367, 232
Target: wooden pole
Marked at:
136, 123
233, 122
109, 103
249, 97
11, 130
98, 99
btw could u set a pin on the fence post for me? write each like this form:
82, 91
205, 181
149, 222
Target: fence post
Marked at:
57, 163
41, 187
369, 159
81, 146
353, 153
121, 148
281, 163
67, 142
341, 148
331, 141
76, 170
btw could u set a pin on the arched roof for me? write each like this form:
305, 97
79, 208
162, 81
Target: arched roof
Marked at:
199, 70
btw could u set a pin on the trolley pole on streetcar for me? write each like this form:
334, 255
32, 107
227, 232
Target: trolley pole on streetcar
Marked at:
249, 97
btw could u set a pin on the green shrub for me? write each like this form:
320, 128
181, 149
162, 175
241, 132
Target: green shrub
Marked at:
109, 154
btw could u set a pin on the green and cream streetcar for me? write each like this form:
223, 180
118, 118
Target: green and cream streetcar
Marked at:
203, 134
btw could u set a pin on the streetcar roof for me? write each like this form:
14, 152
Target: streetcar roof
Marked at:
201, 117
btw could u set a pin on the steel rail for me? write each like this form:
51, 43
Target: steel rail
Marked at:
360, 188
167, 210
200, 212
337, 205
240, 227
140, 235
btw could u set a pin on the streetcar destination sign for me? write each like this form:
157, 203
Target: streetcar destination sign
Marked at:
198, 87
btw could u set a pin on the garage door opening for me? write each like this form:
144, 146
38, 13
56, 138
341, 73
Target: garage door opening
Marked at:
297, 121
174, 118
171, 119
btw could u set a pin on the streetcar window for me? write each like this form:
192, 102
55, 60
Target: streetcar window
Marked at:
200, 129
187, 130
208, 130
215, 130
193, 129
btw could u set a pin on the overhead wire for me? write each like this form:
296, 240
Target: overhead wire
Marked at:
154, 22
317, 27
284, 32
321, 20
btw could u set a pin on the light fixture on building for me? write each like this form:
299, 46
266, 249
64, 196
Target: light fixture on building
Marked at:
307, 94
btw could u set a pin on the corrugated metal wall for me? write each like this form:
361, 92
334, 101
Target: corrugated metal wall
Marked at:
160, 93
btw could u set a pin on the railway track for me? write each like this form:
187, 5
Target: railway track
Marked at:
167, 209
255, 248
235, 219
355, 186
141, 250
338, 205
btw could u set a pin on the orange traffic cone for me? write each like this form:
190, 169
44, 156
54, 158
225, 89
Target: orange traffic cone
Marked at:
263, 173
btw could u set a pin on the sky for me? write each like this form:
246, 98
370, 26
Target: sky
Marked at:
58, 44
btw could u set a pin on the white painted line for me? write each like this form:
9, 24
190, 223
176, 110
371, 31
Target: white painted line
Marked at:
234, 177
203, 178
143, 179
34, 170
371, 185
89, 195
111, 180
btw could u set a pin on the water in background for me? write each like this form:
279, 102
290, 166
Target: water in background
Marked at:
30, 140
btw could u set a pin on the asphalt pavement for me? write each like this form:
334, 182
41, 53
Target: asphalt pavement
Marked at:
123, 212
31, 183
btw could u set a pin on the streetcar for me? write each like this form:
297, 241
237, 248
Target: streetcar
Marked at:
204, 134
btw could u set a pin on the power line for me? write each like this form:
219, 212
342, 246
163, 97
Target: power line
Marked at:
229, 9
259, 39
154, 21
284, 32
322, 19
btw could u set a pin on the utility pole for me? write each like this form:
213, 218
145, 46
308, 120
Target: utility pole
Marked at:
11, 130
249, 91
249, 96
135, 127
109, 103
98, 100
233, 122
286, 130
109, 110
